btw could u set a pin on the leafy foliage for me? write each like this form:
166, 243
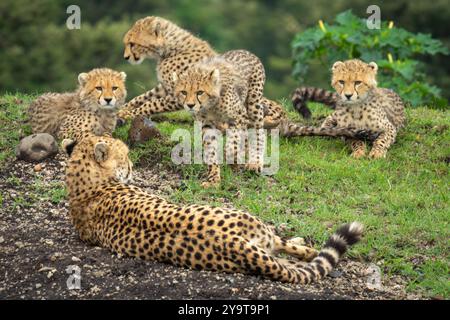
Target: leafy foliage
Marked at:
394, 50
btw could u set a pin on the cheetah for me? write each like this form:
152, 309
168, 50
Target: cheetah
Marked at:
108, 211
91, 108
360, 104
175, 50
225, 91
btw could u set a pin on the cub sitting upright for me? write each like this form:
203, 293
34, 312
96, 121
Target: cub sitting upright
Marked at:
91, 109
226, 91
359, 104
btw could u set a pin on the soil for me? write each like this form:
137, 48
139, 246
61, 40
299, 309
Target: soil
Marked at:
38, 244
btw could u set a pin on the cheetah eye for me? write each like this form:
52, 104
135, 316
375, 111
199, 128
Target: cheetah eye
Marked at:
341, 82
199, 93
184, 93
115, 88
357, 83
98, 88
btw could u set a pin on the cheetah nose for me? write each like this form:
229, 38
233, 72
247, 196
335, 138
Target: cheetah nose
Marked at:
348, 96
126, 57
108, 100
191, 105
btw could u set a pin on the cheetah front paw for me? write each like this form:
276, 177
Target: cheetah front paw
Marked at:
377, 154
357, 154
299, 241
255, 167
210, 184
123, 115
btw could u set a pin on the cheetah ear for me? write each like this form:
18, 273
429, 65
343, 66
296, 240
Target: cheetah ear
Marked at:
123, 75
67, 145
101, 151
374, 66
174, 77
215, 76
157, 29
337, 64
82, 78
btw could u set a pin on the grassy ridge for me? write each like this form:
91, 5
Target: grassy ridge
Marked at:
402, 200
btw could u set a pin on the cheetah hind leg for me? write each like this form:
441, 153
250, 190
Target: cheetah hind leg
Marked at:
294, 248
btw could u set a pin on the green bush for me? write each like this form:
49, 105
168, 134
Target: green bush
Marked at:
395, 50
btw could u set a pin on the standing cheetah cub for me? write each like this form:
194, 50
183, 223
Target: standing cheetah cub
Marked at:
91, 109
106, 211
225, 91
175, 50
360, 104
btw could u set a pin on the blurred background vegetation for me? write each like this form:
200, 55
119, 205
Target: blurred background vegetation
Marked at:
39, 53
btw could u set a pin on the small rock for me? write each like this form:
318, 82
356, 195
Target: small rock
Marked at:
38, 285
335, 274
37, 167
55, 256
48, 242
19, 244
36, 147
98, 273
75, 259
373, 279
2, 239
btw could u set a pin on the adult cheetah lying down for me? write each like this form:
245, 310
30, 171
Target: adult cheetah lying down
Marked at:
91, 109
107, 211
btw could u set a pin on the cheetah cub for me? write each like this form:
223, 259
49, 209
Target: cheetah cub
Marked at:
108, 212
359, 103
225, 92
90, 109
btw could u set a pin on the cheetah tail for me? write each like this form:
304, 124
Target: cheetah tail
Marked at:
339, 242
276, 269
291, 129
304, 94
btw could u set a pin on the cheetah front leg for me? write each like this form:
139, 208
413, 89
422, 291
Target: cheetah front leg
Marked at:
383, 142
329, 122
152, 106
273, 113
235, 145
157, 92
256, 150
358, 148
211, 149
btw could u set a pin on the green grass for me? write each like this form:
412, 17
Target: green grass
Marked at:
402, 200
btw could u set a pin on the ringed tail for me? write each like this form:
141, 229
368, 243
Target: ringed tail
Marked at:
291, 129
302, 95
334, 249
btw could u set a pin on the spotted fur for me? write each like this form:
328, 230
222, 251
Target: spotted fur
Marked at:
225, 91
363, 105
175, 50
108, 212
90, 109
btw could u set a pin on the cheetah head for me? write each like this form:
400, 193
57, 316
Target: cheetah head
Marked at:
354, 79
145, 40
102, 88
197, 89
103, 158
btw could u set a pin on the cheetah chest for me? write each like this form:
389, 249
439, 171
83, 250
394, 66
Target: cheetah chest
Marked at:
363, 117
